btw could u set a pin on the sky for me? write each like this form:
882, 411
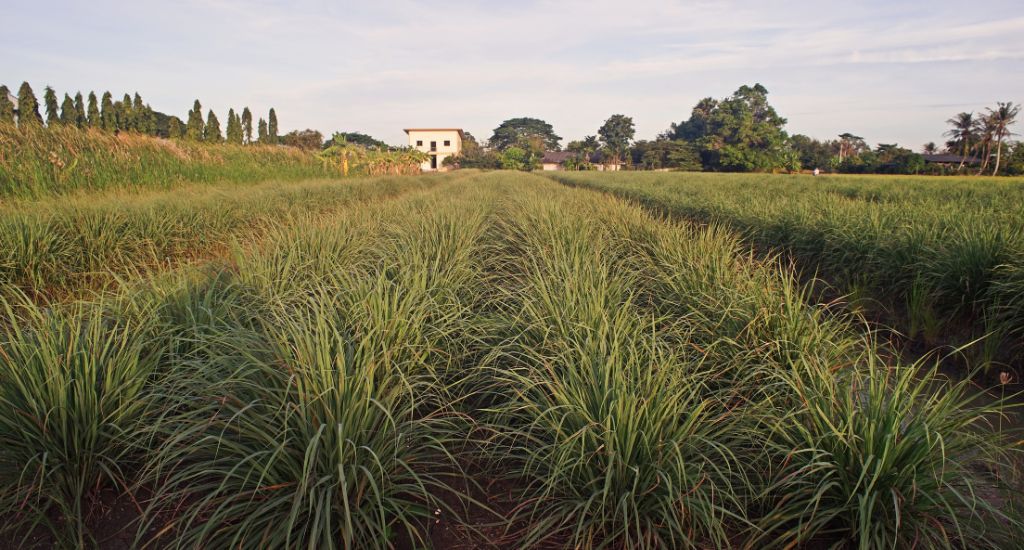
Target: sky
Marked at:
891, 71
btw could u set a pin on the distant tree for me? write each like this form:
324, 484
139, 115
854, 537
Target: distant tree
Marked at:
234, 128
696, 127
212, 131
370, 142
127, 119
961, 132
68, 113
1003, 116
272, 127
310, 140
79, 110
893, 159
175, 129
850, 145
930, 148
52, 110
92, 118
247, 125
515, 131
6, 105
985, 130
514, 158
262, 132
473, 155
616, 134
739, 133
194, 128
673, 154
108, 118
28, 107
813, 153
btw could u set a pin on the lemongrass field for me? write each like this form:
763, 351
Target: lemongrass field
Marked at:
940, 259
475, 360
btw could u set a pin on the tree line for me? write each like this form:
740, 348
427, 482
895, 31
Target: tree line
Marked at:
744, 133
132, 114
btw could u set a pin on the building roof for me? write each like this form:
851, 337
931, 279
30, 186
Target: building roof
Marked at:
947, 158
459, 130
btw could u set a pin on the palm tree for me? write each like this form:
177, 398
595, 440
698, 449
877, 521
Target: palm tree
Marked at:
1004, 115
985, 130
962, 132
930, 148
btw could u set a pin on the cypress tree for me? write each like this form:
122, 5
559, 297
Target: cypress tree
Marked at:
50, 99
262, 132
272, 126
93, 118
79, 110
28, 107
174, 128
247, 125
68, 113
194, 130
128, 116
108, 117
234, 132
6, 105
212, 133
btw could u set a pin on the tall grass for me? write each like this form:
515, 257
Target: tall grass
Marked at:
59, 246
937, 254
662, 389
39, 162
636, 382
74, 395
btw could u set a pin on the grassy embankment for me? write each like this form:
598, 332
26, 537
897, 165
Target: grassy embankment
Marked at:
638, 383
42, 162
941, 258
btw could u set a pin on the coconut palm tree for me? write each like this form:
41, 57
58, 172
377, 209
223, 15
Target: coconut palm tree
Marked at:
962, 133
1003, 116
985, 130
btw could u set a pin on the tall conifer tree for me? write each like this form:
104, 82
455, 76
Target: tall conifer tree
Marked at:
52, 112
128, 117
28, 107
234, 131
175, 129
194, 129
93, 117
108, 117
247, 125
6, 105
262, 132
68, 113
212, 133
79, 110
272, 126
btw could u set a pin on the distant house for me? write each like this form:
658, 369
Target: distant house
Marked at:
555, 160
950, 160
439, 143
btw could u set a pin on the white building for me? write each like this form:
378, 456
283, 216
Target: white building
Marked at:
439, 143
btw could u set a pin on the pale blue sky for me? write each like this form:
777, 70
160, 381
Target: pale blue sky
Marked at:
891, 71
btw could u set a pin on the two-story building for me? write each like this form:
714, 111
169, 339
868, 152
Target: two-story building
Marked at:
439, 143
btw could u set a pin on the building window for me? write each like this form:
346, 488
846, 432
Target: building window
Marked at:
447, 143
419, 143
433, 146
